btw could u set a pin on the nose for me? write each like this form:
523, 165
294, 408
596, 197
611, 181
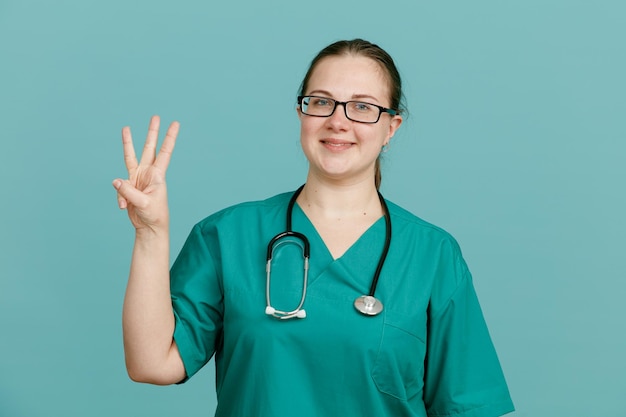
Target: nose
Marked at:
339, 120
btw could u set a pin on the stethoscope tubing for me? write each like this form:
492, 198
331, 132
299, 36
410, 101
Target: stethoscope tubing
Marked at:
367, 304
298, 311
383, 255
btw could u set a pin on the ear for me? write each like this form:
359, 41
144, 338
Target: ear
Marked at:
299, 112
394, 125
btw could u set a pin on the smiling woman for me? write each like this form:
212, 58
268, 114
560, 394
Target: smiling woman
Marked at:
354, 147
415, 345
386, 66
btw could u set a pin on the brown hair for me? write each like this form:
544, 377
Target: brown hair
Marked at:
369, 50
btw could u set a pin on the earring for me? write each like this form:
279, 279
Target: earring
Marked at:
385, 148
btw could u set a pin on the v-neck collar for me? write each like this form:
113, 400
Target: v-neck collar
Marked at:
361, 254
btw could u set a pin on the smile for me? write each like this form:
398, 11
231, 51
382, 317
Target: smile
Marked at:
336, 144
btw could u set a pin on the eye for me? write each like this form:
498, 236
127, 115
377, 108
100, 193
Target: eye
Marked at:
362, 107
320, 102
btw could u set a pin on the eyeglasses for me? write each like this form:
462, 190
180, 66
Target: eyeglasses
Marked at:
357, 111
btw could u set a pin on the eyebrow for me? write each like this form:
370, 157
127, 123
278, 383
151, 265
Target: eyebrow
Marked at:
354, 96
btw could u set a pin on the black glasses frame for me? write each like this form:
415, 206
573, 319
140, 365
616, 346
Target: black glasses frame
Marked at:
381, 109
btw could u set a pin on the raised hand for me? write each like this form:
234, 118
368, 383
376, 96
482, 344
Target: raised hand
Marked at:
144, 193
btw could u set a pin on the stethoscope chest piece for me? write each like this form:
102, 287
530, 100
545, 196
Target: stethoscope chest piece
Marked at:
368, 305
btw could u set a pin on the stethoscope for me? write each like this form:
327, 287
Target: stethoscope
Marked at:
365, 304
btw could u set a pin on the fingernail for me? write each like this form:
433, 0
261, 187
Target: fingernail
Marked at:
117, 184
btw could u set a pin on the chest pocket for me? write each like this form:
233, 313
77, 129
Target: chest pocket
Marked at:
399, 367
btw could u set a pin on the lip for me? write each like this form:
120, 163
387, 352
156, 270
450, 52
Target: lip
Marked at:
336, 144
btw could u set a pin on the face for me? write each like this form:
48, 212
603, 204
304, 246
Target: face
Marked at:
337, 148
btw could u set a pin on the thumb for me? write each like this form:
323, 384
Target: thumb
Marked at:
128, 194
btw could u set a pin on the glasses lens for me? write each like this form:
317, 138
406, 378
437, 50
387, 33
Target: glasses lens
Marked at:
362, 112
317, 106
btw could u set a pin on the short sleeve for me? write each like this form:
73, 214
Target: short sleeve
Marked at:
463, 375
197, 299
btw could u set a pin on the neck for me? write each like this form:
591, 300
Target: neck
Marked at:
337, 201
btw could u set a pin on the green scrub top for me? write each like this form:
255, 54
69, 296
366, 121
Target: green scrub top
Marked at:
427, 354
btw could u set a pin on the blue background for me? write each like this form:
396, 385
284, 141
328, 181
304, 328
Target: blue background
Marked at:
515, 144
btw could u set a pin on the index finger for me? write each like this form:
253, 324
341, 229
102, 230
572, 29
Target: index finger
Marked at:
130, 159
165, 153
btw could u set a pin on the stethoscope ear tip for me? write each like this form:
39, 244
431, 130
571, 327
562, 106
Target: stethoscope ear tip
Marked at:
301, 314
269, 310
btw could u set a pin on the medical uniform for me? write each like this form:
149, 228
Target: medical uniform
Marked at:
427, 354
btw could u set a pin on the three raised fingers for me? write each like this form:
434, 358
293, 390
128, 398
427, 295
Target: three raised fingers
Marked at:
149, 156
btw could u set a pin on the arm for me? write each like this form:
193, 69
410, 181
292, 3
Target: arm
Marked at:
463, 374
148, 319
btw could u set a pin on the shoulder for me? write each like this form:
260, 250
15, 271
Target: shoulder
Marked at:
435, 250
247, 211
405, 222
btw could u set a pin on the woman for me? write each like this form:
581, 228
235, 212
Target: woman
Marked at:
415, 345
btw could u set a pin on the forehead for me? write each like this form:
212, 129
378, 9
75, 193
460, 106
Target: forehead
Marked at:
348, 76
